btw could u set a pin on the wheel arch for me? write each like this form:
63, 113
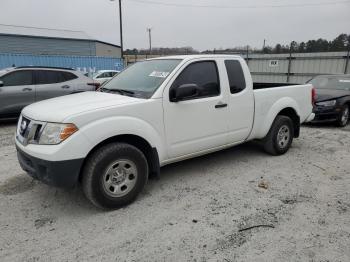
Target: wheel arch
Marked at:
292, 114
151, 153
263, 121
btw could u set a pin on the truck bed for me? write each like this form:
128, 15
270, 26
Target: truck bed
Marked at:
257, 85
268, 101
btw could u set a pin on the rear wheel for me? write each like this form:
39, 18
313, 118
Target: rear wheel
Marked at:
280, 136
114, 175
344, 116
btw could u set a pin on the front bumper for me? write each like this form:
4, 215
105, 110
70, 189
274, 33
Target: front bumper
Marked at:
326, 114
55, 173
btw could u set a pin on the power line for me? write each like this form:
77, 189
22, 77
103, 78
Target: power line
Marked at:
46, 28
240, 6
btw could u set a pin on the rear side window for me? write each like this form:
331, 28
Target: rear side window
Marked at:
204, 75
68, 76
18, 78
235, 76
44, 77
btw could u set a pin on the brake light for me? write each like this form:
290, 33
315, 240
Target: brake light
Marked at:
313, 96
95, 84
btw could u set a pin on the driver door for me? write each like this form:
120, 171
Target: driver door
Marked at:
199, 122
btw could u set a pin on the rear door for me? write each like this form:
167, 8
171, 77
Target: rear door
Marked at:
17, 92
241, 102
51, 83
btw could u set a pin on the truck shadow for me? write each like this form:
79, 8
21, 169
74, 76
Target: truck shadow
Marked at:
8, 122
327, 125
243, 153
72, 202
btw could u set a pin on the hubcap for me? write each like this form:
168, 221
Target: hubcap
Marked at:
283, 136
345, 116
120, 178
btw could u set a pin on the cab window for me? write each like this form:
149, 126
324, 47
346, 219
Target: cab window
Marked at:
204, 74
235, 76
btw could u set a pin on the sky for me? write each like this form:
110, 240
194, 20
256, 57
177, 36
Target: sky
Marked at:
217, 24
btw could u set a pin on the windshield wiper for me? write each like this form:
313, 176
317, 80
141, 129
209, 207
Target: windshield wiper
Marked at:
122, 91
102, 89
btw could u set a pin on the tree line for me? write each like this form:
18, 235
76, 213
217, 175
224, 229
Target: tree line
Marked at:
340, 43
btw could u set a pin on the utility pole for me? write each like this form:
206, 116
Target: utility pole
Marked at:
347, 59
290, 61
120, 28
149, 30
264, 46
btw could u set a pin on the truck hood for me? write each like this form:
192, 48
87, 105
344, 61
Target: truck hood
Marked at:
58, 109
328, 94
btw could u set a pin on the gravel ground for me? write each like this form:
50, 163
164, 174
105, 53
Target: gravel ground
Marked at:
200, 210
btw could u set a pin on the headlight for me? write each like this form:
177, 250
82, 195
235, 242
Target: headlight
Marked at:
327, 103
54, 133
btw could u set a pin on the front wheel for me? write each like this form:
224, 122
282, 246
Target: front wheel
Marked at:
344, 116
114, 175
280, 136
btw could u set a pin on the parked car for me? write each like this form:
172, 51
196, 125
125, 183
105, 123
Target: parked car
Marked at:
154, 113
333, 98
103, 76
21, 86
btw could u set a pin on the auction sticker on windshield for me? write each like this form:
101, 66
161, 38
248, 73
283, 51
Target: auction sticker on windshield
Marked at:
159, 74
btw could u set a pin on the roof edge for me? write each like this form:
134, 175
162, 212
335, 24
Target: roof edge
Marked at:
62, 38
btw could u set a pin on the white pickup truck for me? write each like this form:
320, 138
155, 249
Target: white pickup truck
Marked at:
152, 114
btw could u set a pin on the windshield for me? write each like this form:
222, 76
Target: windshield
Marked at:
143, 78
331, 82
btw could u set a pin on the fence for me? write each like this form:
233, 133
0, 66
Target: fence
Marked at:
287, 68
81, 63
297, 67
130, 59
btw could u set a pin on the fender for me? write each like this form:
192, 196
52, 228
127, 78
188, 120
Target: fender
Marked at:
123, 125
275, 109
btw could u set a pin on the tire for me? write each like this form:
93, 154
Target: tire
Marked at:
344, 116
280, 136
114, 175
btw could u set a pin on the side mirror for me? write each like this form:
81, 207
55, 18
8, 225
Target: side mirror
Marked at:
1, 83
183, 92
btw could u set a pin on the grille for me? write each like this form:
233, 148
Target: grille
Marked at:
24, 126
29, 130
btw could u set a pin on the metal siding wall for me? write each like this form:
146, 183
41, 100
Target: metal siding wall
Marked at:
303, 66
107, 50
89, 63
46, 46
268, 78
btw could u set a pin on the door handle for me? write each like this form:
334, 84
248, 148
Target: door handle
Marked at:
27, 89
65, 87
220, 105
